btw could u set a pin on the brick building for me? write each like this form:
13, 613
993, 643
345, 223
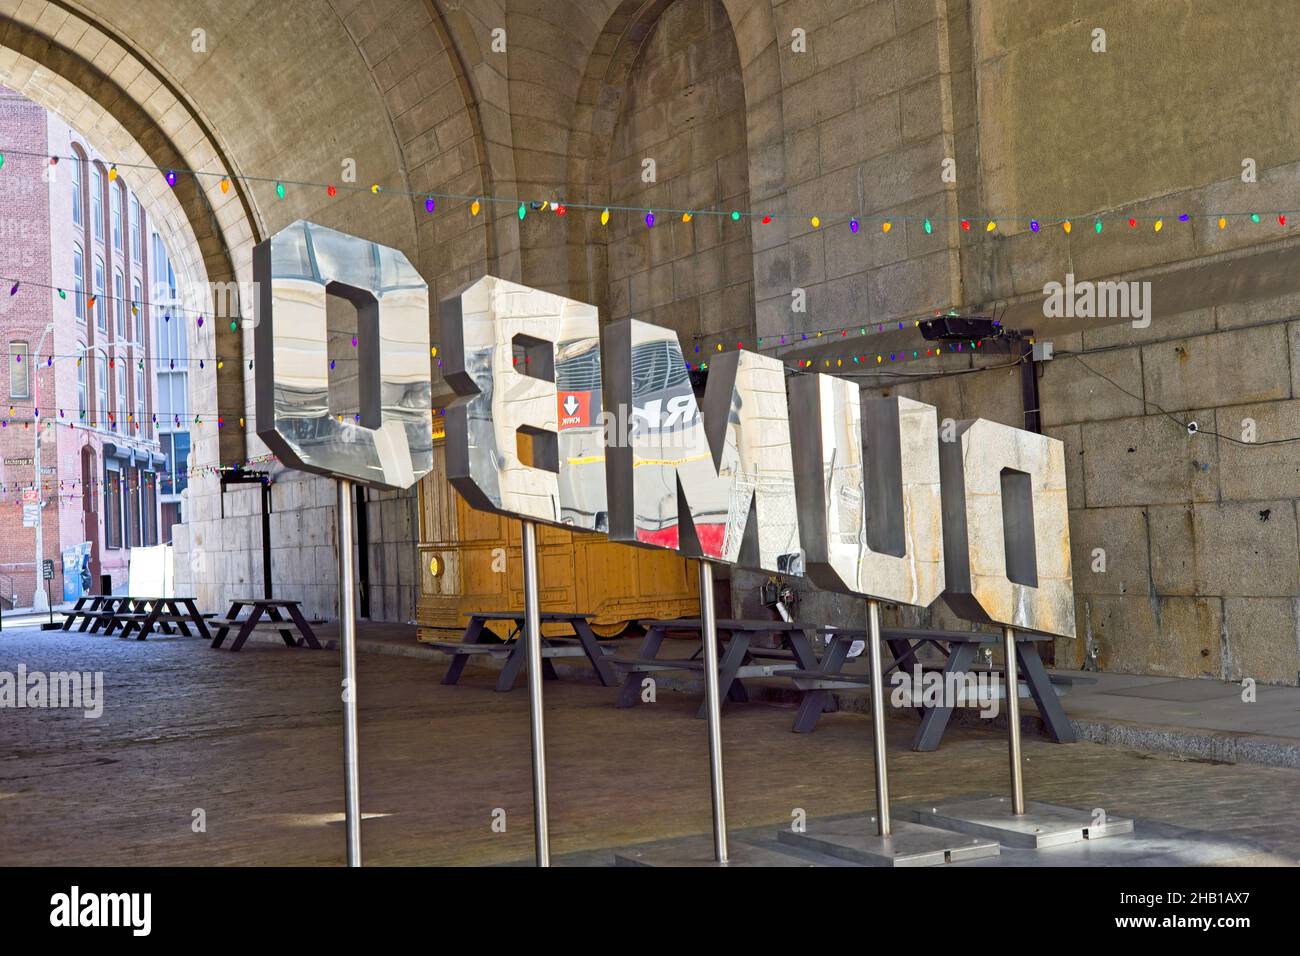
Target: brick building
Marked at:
79, 342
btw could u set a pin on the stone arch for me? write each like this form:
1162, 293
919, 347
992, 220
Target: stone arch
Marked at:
67, 80
601, 100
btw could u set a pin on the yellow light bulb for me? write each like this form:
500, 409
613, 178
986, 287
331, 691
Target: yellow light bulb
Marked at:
686, 217
1222, 222
474, 207
1160, 224
886, 226
225, 184
604, 218
1066, 226
375, 189
816, 222
991, 226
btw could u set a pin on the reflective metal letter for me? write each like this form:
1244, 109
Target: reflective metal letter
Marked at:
1006, 529
870, 510
689, 482
392, 444
528, 361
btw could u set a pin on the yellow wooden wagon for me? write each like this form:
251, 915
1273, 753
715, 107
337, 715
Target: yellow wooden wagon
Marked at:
470, 561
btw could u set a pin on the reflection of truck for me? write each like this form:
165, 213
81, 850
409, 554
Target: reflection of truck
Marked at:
581, 434
668, 429
470, 561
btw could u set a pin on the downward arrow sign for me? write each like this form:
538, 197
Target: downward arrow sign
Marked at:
571, 404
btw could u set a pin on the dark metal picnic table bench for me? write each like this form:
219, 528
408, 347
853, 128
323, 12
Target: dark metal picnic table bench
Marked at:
738, 658
136, 613
478, 640
271, 608
904, 644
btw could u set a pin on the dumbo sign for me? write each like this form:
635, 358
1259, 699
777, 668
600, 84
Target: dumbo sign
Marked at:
793, 474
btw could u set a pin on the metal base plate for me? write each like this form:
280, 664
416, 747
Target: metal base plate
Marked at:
698, 851
1041, 825
909, 844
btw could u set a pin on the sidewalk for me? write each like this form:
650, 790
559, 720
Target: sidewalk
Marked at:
1193, 718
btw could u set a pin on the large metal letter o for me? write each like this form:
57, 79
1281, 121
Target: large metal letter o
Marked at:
391, 446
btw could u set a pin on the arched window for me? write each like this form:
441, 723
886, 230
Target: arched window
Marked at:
115, 206
97, 202
121, 394
82, 395
139, 401
139, 311
79, 279
101, 389
101, 316
119, 300
74, 170
134, 226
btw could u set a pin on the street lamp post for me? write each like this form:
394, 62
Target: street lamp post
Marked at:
40, 600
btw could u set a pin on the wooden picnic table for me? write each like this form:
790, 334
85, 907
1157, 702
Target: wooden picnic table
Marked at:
138, 613
904, 644
738, 658
87, 608
272, 608
477, 640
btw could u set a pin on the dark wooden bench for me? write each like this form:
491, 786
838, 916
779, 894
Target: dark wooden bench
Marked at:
904, 644
273, 609
738, 658
478, 640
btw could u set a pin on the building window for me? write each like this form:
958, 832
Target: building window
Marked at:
101, 320
119, 296
81, 378
139, 400
176, 448
19, 385
115, 205
97, 203
121, 395
79, 278
134, 226
112, 507
133, 506
139, 312
75, 172
101, 389
149, 507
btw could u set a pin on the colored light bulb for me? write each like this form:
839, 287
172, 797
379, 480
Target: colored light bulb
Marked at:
171, 177
853, 226
429, 204
279, 190
604, 217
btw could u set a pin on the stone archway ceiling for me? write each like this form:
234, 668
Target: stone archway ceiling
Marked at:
613, 52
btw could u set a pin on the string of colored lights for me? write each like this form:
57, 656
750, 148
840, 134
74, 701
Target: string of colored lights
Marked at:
852, 220
765, 343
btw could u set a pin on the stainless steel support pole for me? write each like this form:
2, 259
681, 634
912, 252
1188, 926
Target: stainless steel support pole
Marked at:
533, 635
348, 651
713, 710
1013, 719
878, 719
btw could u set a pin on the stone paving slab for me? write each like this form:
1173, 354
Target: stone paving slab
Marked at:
251, 743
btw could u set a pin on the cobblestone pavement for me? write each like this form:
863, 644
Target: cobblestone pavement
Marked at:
254, 741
